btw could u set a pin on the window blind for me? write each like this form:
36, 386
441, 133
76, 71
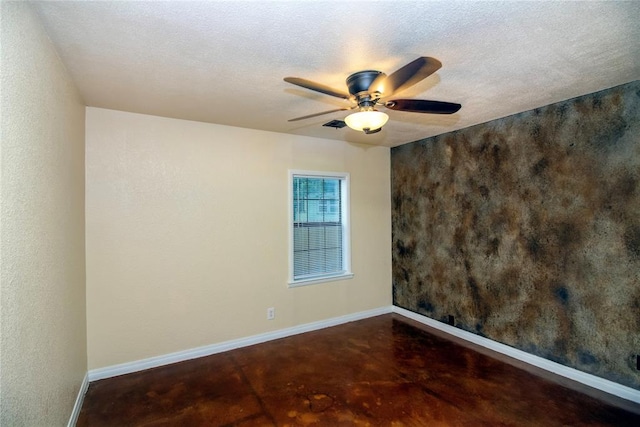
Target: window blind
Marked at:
317, 227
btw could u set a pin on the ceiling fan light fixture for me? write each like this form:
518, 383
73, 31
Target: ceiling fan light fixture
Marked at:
367, 88
366, 121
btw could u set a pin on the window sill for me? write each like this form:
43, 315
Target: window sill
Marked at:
316, 280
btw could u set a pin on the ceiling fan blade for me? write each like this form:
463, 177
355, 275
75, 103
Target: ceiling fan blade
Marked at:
308, 84
406, 76
318, 114
423, 106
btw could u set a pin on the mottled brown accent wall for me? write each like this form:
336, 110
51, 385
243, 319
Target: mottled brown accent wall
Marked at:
527, 230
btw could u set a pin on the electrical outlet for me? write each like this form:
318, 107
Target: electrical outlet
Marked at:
271, 313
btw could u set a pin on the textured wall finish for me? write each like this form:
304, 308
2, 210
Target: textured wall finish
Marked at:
44, 351
527, 230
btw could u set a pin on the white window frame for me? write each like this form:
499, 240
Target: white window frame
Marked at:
346, 272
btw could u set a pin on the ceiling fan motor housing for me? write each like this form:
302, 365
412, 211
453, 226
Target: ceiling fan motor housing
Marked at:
361, 81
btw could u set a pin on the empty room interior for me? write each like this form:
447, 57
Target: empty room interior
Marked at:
302, 213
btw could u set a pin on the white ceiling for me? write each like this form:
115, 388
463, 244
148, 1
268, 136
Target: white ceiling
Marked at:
223, 61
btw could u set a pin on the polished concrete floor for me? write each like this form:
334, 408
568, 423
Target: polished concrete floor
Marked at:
382, 371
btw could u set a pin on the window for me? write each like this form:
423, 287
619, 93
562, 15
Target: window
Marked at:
319, 227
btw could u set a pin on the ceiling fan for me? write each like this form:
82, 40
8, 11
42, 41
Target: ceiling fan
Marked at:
370, 89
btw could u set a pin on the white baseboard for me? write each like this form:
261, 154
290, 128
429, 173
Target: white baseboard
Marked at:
593, 381
79, 399
180, 356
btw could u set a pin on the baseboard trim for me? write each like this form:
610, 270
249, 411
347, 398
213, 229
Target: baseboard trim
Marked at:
180, 356
75, 413
593, 381
589, 380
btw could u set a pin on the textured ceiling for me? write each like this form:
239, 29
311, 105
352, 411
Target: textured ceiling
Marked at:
223, 62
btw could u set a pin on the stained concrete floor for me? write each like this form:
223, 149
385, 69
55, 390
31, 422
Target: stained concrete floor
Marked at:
382, 371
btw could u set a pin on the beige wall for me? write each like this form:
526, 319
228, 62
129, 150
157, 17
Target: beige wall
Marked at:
187, 233
44, 354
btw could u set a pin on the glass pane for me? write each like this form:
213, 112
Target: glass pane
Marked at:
333, 237
314, 188
331, 188
300, 211
300, 264
315, 213
299, 188
317, 261
333, 260
332, 211
316, 238
300, 238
